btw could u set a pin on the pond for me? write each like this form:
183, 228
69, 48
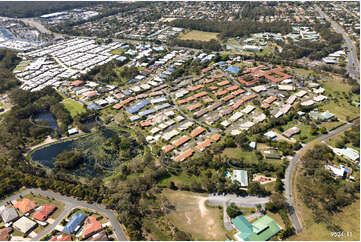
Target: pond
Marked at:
92, 167
48, 118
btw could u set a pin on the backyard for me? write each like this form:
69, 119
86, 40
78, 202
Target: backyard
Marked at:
73, 107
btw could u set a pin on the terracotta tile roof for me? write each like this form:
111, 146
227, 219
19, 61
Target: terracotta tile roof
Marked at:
61, 237
265, 105
5, 234
201, 146
117, 106
207, 100
216, 137
25, 205
247, 83
190, 98
194, 88
200, 94
227, 98
184, 155
91, 226
201, 113
43, 212
277, 71
212, 88
270, 100
232, 88
146, 123
182, 101
223, 83
217, 76
197, 131
167, 148
91, 94
194, 106
181, 141
208, 81
239, 91
221, 93
243, 100
76, 83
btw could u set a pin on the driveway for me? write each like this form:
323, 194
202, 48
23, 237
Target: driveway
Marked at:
70, 203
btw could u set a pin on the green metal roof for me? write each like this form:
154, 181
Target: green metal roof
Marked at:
261, 230
244, 227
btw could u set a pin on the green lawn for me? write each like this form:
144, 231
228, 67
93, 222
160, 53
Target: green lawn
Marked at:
73, 107
341, 109
198, 35
304, 128
237, 153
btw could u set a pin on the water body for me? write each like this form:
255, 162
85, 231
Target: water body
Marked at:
48, 118
47, 155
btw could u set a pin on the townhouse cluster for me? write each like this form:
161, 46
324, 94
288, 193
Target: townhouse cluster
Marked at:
52, 65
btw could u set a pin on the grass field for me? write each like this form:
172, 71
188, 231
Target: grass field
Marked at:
304, 128
348, 220
341, 109
73, 107
198, 35
193, 216
117, 52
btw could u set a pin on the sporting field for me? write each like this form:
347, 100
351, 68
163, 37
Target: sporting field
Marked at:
198, 35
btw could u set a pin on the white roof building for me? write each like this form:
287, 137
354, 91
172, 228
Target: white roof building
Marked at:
24, 225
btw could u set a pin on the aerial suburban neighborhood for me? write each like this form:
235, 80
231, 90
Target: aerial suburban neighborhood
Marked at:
141, 120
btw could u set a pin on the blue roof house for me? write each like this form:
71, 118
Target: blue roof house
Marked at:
233, 69
74, 222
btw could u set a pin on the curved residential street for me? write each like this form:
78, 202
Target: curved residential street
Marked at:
290, 172
70, 203
353, 65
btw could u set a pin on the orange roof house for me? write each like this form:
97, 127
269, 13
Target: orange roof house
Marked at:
184, 155
217, 76
221, 93
265, 105
270, 100
91, 226
181, 140
117, 106
76, 83
232, 88
145, 123
25, 205
238, 92
194, 106
243, 100
276, 75
194, 88
227, 98
197, 131
167, 148
43, 212
208, 81
61, 237
212, 88
223, 83
200, 94
201, 146
216, 137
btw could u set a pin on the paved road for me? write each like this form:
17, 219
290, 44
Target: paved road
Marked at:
290, 172
248, 202
353, 65
70, 203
